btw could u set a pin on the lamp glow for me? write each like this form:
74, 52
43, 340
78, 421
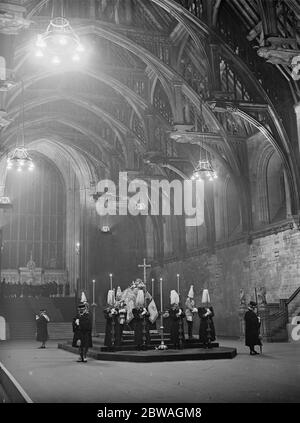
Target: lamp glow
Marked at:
39, 53
56, 60
59, 42
76, 58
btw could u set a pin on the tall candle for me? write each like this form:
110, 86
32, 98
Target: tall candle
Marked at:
161, 298
94, 291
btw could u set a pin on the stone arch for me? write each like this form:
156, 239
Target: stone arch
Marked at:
275, 181
3, 329
77, 173
271, 181
232, 208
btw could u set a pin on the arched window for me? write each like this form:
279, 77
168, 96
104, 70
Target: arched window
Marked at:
275, 189
37, 220
233, 213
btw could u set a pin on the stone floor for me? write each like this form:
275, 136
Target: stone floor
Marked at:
53, 375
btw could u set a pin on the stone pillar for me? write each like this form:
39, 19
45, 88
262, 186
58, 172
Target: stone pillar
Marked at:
72, 232
150, 128
242, 311
85, 221
269, 17
297, 111
128, 11
264, 314
287, 195
179, 117
92, 9
215, 67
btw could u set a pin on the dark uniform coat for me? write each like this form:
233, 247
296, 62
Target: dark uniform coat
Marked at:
252, 326
84, 331
174, 325
205, 323
41, 329
108, 328
137, 324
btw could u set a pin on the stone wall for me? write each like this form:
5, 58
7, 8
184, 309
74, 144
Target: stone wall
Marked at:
271, 261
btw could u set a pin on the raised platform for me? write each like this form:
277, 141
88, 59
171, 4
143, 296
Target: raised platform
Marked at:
153, 355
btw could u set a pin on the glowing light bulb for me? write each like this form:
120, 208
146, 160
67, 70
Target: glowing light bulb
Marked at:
39, 53
19, 169
63, 41
76, 58
21, 162
80, 48
56, 60
40, 42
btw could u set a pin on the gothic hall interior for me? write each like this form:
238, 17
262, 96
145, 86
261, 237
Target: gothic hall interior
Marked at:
151, 142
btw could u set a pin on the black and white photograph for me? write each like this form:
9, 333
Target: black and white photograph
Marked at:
149, 208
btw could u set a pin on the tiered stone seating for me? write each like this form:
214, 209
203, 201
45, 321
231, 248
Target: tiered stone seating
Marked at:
19, 314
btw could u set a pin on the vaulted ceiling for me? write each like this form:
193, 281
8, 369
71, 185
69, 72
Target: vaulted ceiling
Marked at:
153, 68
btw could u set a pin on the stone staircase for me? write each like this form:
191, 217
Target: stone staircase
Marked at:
24, 330
129, 345
27, 330
293, 315
19, 314
36, 304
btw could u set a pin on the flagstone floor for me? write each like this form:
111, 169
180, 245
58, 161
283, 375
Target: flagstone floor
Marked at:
53, 376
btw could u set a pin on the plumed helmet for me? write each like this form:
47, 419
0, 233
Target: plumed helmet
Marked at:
191, 292
174, 297
83, 298
140, 298
205, 296
119, 294
111, 297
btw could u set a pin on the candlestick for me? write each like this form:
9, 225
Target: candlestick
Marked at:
178, 288
152, 280
110, 277
161, 298
162, 345
94, 331
93, 290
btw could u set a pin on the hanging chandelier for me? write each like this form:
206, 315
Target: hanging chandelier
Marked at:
204, 168
20, 159
59, 43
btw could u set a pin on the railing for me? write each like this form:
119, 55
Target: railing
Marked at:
291, 303
275, 323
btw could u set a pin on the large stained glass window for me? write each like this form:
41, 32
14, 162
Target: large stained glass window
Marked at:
37, 221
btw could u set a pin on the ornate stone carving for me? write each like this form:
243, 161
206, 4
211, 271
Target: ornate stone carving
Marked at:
261, 295
11, 18
4, 121
282, 51
242, 298
296, 68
